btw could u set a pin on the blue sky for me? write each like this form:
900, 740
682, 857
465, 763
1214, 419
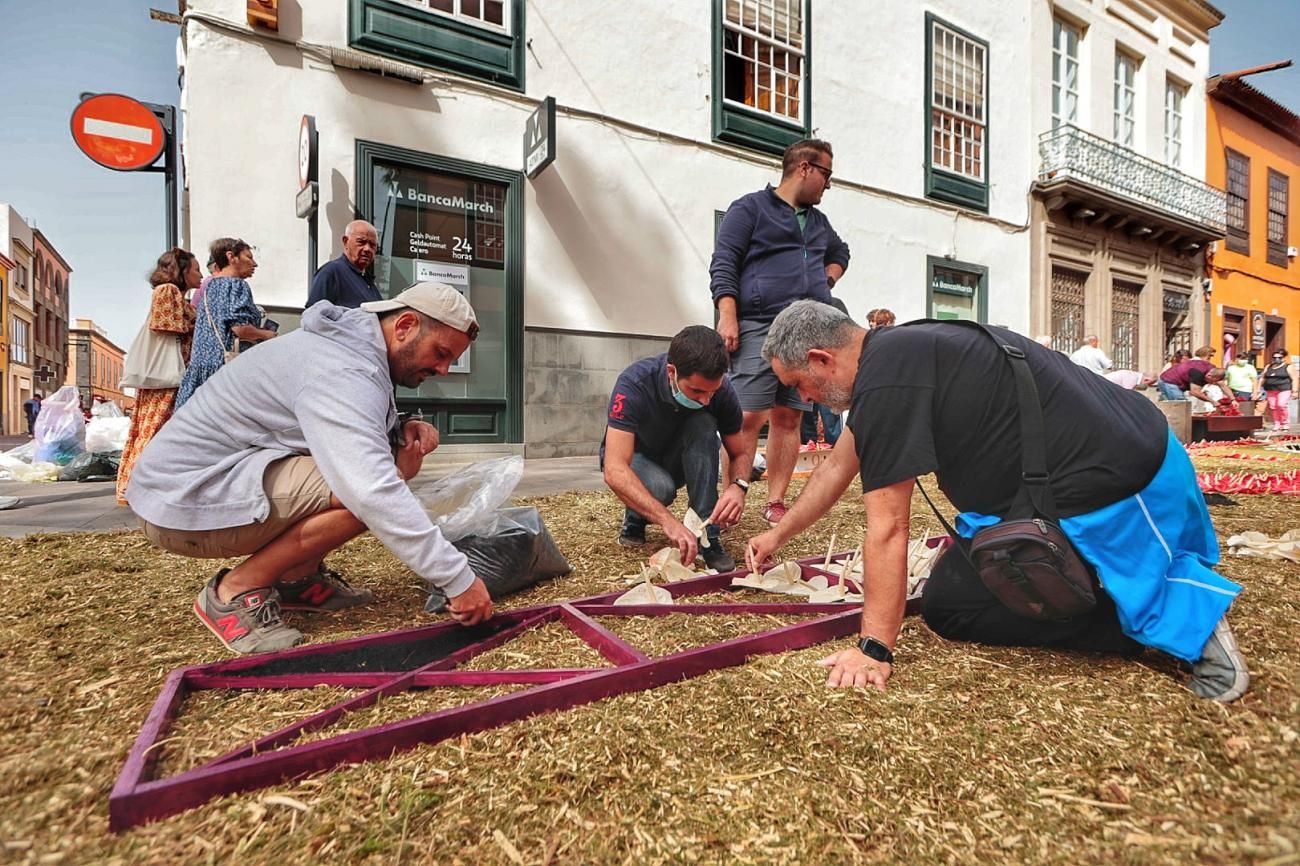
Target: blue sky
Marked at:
109, 225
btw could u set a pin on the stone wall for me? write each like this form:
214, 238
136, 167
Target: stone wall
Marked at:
567, 380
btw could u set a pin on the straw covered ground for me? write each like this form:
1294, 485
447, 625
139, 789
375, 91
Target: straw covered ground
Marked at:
974, 755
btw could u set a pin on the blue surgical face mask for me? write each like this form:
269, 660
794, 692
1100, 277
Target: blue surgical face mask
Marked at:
681, 398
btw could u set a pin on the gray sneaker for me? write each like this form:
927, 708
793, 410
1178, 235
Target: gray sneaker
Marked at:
324, 591
1221, 673
248, 623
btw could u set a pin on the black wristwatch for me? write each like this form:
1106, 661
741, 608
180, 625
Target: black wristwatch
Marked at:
874, 649
742, 484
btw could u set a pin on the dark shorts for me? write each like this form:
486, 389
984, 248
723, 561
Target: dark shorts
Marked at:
752, 377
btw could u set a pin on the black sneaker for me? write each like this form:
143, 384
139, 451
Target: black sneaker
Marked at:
716, 558
248, 623
632, 537
1221, 673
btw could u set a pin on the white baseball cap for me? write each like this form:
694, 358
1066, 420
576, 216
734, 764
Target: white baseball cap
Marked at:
436, 300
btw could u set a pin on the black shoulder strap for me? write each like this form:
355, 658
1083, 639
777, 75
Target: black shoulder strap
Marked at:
1035, 494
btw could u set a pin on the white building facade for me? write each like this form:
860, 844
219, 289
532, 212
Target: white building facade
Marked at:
665, 114
1121, 215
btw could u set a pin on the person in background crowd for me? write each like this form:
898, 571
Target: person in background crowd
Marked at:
176, 272
881, 318
1177, 380
1178, 357
774, 247
1277, 385
1242, 375
197, 297
227, 315
1130, 379
1091, 357
940, 397
346, 282
1205, 396
32, 408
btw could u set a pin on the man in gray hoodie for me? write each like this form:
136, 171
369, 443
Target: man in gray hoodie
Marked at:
296, 448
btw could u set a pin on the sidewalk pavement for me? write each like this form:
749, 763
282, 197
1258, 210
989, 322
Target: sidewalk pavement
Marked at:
67, 506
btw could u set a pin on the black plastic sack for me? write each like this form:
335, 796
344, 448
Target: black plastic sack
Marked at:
85, 466
516, 552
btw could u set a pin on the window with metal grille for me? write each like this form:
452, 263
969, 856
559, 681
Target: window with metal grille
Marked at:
1125, 301
958, 71
1278, 186
1067, 308
484, 13
1178, 328
1174, 94
1125, 98
1065, 73
763, 56
1238, 220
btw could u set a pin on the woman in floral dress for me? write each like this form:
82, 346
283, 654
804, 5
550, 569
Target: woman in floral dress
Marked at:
169, 313
226, 315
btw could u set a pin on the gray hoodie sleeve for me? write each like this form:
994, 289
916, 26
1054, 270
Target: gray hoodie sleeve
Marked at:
342, 420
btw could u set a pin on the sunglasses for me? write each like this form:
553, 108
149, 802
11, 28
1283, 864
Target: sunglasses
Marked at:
826, 172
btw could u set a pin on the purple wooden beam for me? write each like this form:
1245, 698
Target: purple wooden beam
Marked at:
370, 679
144, 754
608, 644
136, 804
781, 608
392, 686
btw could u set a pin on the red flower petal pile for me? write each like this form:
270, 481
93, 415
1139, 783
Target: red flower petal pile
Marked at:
1285, 483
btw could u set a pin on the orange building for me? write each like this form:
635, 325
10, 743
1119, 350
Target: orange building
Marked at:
1253, 153
95, 365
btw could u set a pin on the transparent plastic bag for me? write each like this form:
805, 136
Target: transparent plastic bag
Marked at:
514, 552
24, 452
60, 429
14, 469
466, 502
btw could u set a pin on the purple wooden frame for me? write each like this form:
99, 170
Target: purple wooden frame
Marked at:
138, 796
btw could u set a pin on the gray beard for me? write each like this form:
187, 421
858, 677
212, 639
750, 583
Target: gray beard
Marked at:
837, 397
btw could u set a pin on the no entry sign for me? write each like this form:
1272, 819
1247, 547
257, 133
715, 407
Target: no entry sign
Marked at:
118, 132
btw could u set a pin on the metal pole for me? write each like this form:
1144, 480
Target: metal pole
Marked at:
166, 115
313, 224
169, 174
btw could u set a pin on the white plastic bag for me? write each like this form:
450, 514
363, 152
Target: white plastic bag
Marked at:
60, 429
107, 433
466, 502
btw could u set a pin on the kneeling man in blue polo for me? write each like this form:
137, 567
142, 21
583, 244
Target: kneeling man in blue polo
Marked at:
665, 416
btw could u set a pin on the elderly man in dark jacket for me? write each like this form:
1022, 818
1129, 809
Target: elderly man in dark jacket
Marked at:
774, 247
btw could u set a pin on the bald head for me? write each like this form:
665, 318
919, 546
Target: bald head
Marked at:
360, 241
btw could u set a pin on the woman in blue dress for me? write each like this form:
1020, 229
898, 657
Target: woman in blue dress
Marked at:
226, 315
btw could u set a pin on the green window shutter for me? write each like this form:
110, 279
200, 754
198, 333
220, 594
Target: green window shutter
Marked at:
412, 35
752, 127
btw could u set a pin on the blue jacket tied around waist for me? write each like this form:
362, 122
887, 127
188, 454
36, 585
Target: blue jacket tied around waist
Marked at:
763, 260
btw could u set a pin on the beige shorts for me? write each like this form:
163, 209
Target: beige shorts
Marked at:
296, 490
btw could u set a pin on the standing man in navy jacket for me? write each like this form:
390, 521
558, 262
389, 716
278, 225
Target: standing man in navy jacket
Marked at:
774, 247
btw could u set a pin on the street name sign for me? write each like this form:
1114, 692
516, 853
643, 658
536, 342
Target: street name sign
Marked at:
118, 132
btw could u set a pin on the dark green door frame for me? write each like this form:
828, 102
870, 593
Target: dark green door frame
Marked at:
370, 152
